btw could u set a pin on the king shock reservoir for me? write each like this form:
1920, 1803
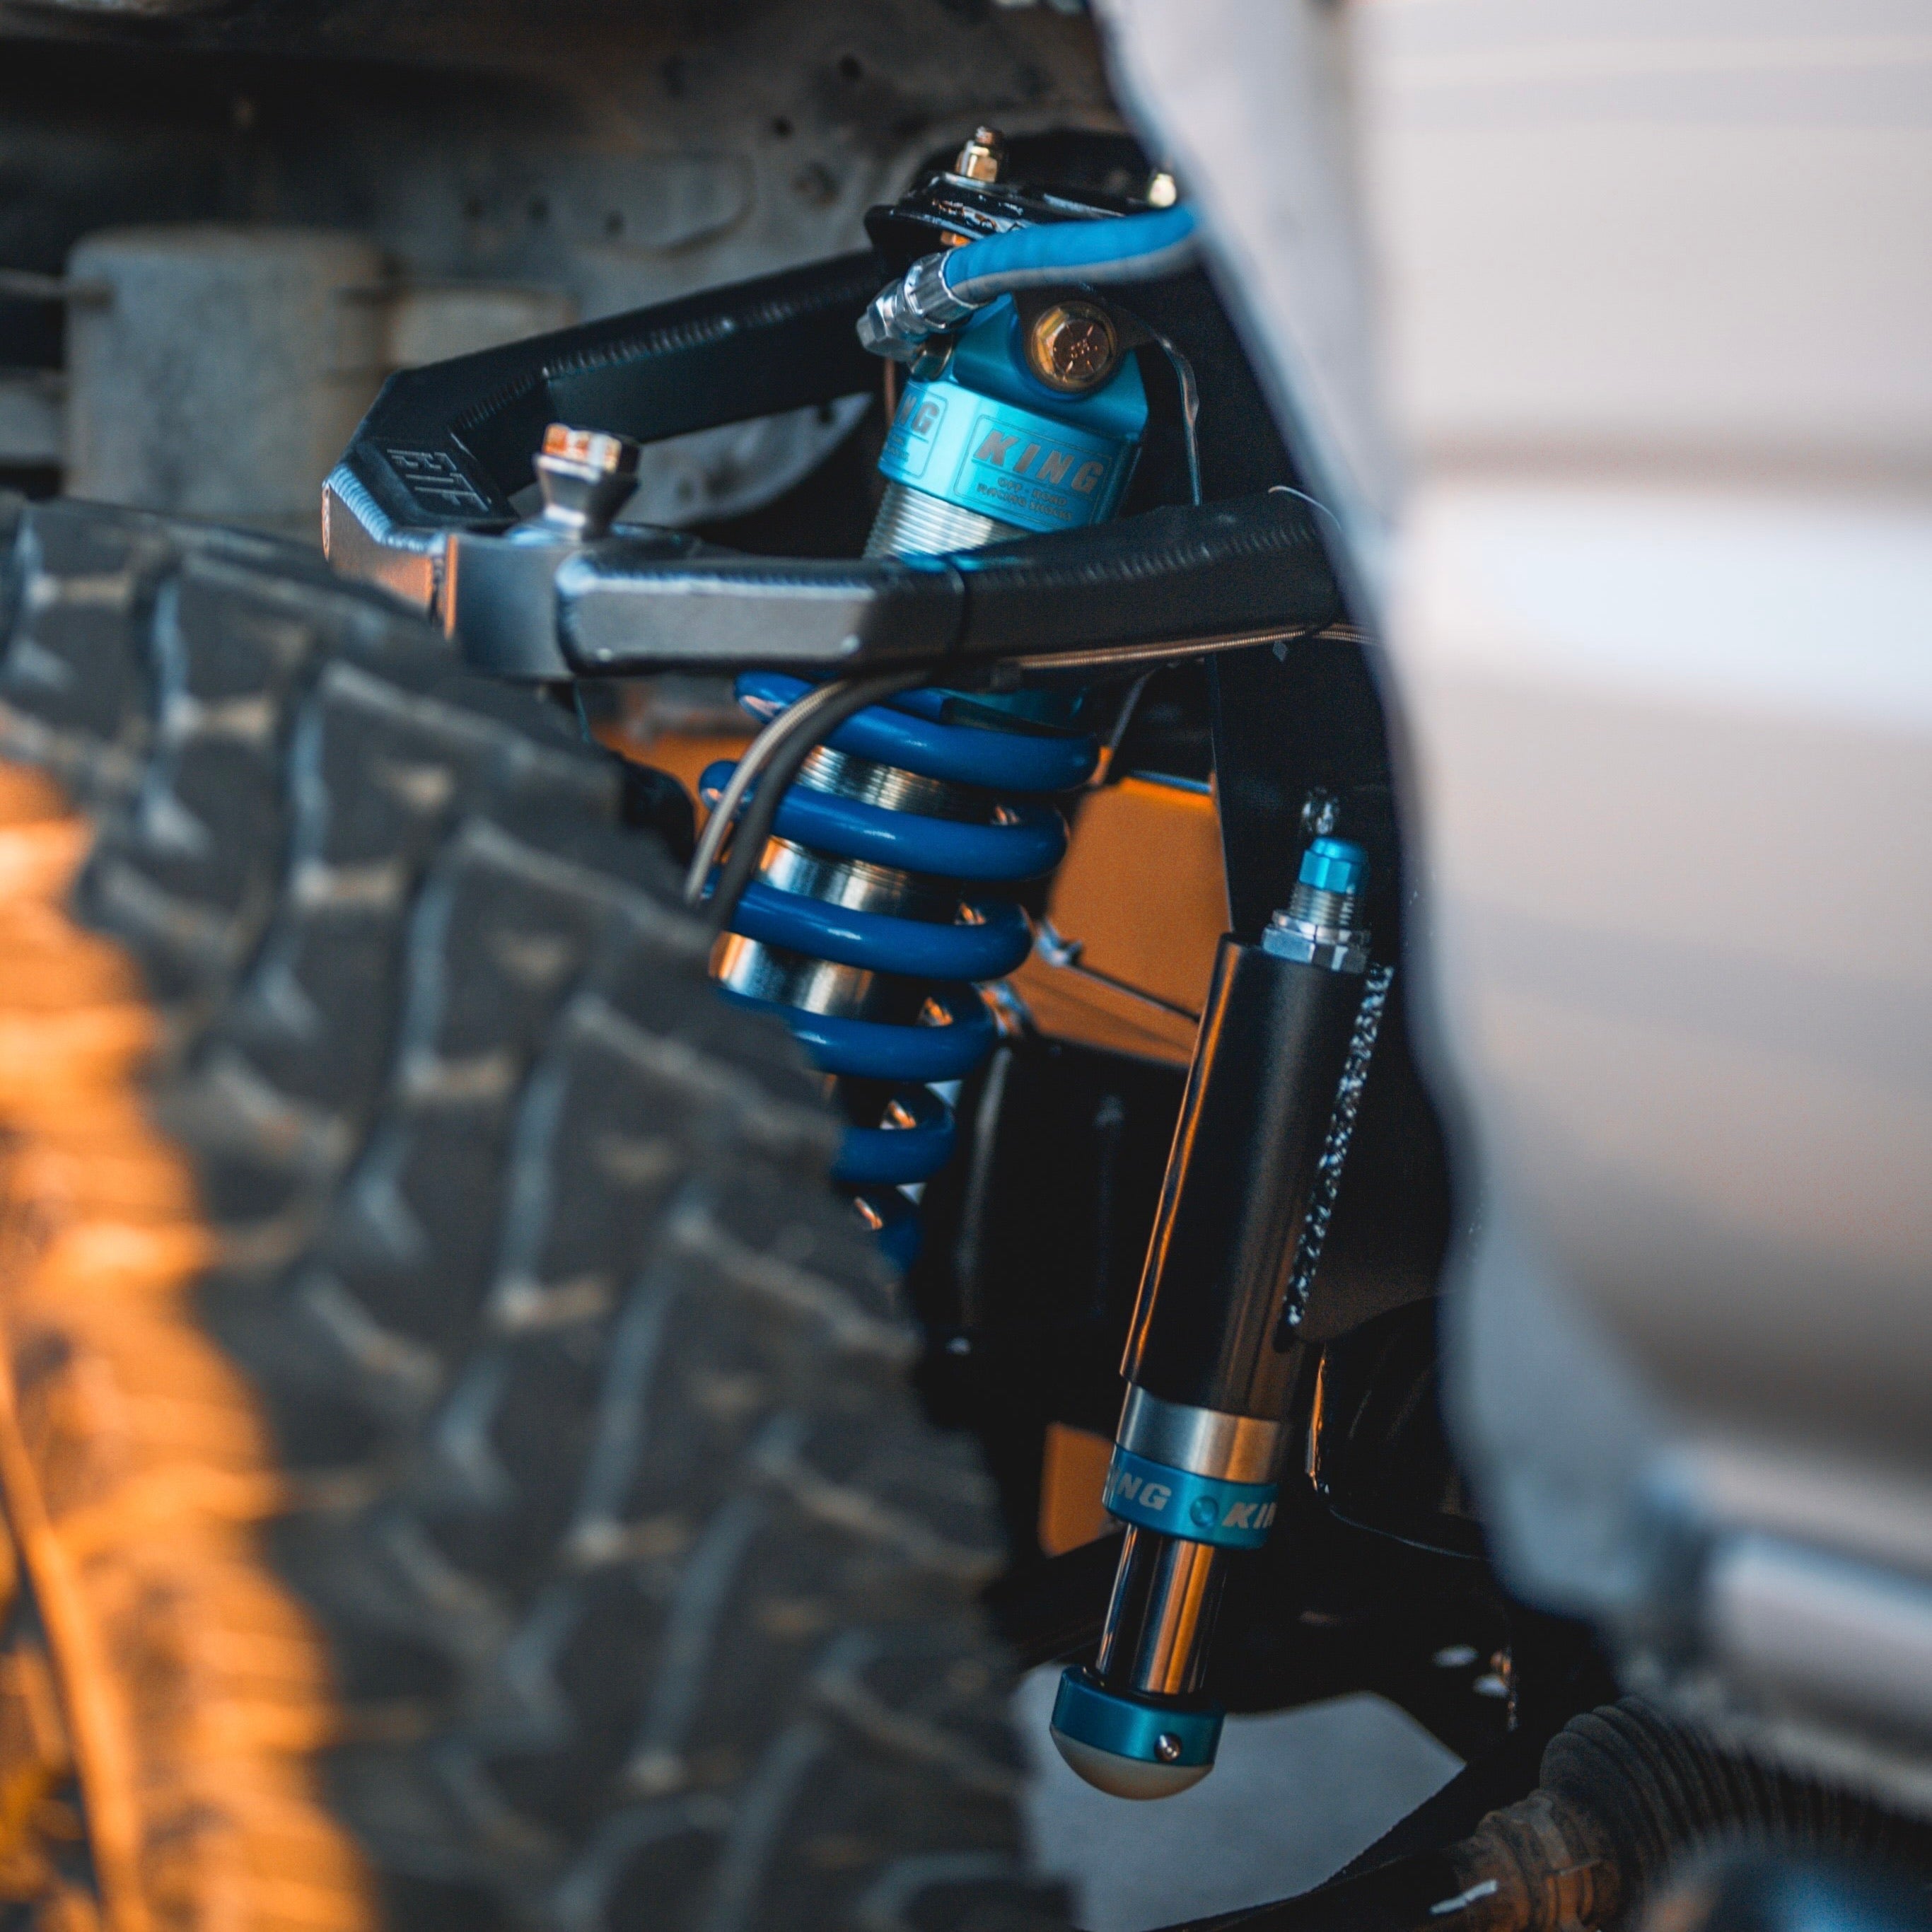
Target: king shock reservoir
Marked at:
878, 906
980, 435
1208, 1362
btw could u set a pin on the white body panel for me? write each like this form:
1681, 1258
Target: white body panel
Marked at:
1652, 286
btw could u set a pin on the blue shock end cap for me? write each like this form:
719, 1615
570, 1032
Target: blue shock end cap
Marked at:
1131, 1746
1334, 866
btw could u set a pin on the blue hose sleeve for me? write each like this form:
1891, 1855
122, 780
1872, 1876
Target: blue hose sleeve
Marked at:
1127, 248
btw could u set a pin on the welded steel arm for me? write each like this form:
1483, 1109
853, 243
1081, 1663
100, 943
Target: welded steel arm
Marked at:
426, 500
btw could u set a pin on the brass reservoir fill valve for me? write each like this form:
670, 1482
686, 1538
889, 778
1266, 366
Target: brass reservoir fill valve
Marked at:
1209, 1361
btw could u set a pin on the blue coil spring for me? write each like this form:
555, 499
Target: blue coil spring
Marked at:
1022, 838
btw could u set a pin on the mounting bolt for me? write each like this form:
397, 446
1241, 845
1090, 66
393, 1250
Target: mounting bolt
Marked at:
1073, 346
586, 475
1167, 1747
1321, 813
981, 159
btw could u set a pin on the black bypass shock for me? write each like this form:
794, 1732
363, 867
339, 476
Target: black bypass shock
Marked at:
1210, 1357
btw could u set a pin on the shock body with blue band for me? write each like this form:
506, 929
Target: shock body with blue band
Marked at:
1202, 1433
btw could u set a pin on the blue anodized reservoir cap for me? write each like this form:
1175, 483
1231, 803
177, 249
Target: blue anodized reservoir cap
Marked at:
1333, 865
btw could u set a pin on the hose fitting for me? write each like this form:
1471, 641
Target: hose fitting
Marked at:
907, 313
940, 292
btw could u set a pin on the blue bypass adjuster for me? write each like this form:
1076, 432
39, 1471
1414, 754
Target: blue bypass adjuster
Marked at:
1202, 1509
1333, 865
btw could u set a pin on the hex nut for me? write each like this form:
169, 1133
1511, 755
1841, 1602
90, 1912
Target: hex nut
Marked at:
982, 156
1073, 346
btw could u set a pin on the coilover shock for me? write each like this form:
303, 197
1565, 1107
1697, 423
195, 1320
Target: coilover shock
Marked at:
875, 907
855, 927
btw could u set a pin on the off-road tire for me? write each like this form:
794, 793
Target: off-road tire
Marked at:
457, 1452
